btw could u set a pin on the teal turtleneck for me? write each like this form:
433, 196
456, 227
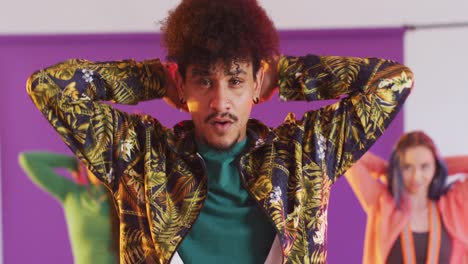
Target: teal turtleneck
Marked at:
231, 228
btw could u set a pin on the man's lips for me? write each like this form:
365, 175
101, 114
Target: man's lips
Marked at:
221, 118
221, 126
220, 121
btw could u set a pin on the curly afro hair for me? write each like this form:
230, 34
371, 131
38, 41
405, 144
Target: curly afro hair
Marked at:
204, 32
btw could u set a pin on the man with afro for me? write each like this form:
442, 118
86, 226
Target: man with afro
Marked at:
221, 187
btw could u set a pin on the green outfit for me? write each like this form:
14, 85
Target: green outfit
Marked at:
231, 228
86, 208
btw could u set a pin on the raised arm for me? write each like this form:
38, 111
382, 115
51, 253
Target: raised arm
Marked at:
39, 167
365, 176
68, 95
370, 91
456, 164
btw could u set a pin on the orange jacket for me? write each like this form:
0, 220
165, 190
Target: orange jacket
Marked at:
385, 222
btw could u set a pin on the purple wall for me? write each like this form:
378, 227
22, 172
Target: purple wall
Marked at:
34, 230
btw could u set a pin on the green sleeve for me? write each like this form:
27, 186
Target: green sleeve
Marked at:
39, 167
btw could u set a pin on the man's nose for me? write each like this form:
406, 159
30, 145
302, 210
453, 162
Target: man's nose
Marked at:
220, 100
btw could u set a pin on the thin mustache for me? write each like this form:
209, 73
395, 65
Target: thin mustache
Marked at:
221, 115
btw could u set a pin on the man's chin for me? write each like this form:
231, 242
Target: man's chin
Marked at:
220, 143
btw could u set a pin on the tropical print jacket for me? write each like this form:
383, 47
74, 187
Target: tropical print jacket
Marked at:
157, 177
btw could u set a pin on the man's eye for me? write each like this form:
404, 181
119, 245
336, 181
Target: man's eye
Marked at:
205, 82
235, 81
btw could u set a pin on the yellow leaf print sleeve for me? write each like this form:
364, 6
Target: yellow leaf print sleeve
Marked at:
69, 95
371, 91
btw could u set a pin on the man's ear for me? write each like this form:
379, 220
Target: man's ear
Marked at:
269, 79
179, 84
174, 86
259, 82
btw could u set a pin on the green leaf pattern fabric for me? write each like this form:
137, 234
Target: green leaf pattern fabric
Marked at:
157, 178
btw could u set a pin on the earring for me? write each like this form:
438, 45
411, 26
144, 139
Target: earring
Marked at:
255, 100
182, 101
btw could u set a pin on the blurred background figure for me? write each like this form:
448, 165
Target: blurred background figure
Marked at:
90, 214
415, 214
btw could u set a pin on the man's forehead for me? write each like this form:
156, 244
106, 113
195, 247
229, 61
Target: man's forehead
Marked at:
235, 68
